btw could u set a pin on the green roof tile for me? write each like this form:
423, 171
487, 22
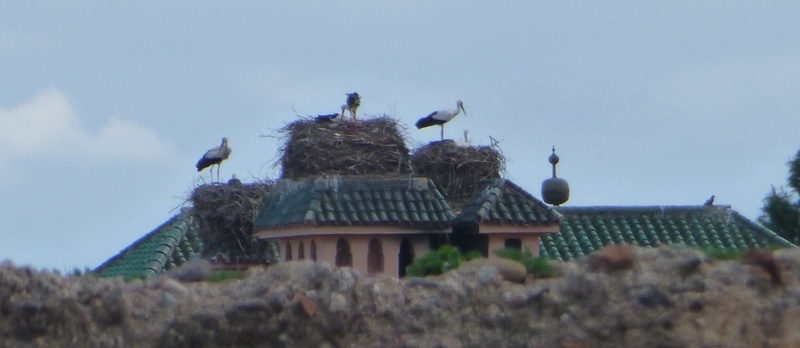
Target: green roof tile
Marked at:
356, 201
167, 246
500, 201
586, 229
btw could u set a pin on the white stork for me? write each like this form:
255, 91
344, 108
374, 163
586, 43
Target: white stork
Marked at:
439, 118
353, 102
465, 141
330, 117
214, 156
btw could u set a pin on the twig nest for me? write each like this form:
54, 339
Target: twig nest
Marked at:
373, 146
225, 214
456, 169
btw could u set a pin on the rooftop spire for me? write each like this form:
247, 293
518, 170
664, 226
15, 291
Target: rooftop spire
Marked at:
555, 190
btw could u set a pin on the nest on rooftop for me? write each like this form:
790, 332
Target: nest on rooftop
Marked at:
225, 214
457, 169
374, 146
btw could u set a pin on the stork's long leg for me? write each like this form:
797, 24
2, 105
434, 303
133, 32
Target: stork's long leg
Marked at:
442, 133
218, 173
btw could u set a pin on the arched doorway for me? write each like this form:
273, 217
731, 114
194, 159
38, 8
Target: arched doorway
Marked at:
313, 250
288, 251
406, 256
301, 251
375, 256
344, 258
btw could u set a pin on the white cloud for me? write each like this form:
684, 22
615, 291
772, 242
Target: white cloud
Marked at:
46, 125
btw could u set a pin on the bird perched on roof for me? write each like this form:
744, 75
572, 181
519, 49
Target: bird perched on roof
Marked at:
330, 117
710, 201
439, 118
353, 102
214, 156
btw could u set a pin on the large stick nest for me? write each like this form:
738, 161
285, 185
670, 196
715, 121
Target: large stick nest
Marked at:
225, 214
457, 169
373, 146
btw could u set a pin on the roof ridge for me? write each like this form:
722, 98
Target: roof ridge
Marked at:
140, 240
180, 226
761, 229
637, 208
483, 205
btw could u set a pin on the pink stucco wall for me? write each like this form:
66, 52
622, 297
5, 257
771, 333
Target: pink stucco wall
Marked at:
359, 248
498, 241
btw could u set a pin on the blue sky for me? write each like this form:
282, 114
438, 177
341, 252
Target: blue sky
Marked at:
105, 107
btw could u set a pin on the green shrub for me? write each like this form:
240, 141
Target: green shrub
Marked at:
536, 265
722, 254
435, 262
223, 275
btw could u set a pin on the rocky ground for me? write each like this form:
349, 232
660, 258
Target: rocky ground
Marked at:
618, 297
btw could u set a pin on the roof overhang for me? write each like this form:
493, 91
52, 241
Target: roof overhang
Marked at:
492, 228
311, 230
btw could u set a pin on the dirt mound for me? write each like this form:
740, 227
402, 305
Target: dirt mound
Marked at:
456, 169
665, 297
224, 215
373, 146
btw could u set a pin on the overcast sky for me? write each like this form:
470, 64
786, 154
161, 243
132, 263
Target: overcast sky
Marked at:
105, 107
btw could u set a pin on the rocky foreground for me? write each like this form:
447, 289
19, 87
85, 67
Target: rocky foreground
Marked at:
618, 297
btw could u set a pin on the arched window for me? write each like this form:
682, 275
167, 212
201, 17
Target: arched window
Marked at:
343, 256
288, 256
375, 256
313, 250
301, 252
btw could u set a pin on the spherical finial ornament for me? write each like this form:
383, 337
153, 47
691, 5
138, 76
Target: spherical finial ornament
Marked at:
555, 190
553, 157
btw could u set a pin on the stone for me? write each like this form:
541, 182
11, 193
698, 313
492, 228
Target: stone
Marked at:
612, 258
173, 286
338, 303
510, 270
486, 274
308, 305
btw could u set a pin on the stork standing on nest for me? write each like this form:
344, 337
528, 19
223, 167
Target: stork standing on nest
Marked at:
214, 156
330, 117
439, 118
353, 102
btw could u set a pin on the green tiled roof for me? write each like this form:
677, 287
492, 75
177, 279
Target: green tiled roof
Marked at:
586, 229
356, 201
166, 247
500, 201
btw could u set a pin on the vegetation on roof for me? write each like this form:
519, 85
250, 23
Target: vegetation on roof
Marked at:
224, 216
456, 169
374, 146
